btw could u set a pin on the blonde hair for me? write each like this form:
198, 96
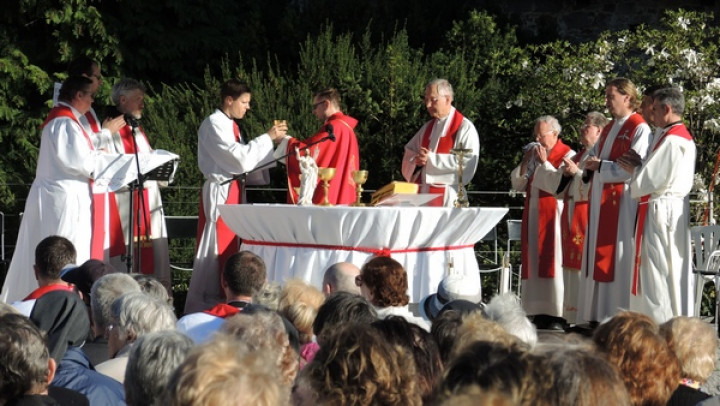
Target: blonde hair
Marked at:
226, 371
694, 343
475, 327
299, 303
626, 87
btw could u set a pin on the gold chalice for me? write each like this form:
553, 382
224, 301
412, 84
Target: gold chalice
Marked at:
279, 122
325, 175
462, 199
359, 177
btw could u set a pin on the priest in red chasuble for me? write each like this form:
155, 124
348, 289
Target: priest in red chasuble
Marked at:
341, 153
608, 256
539, 175
427, 160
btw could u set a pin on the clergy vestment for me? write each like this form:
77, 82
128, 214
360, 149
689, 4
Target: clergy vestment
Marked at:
342, 154
221, 154
154, 255
572, 227
608, 254
60, 199
440, 173
664, 286
542, 287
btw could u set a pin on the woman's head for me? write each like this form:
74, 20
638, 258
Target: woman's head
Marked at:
383, 281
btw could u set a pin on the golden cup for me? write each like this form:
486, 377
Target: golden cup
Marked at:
279, 122
325, 175
359, 177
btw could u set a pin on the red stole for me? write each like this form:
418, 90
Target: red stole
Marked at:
606, 242
546, 216
35, 294
445, 144
228, 242
573, 229
223, 310
97, 238
146, 255
92, 120
678, 131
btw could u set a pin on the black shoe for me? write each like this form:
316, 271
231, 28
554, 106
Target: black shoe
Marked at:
546, 322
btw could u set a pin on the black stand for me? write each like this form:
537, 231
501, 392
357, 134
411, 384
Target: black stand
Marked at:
161, 173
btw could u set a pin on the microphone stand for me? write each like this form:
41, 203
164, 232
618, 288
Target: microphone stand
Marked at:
139, 184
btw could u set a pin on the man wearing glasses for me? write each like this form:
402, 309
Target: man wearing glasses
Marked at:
428, 160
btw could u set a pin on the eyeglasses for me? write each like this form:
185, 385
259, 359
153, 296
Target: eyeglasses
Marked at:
586, 126
108, 330
358, 281
318, 103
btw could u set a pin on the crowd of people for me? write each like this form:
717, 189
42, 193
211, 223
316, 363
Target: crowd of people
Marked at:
112, 338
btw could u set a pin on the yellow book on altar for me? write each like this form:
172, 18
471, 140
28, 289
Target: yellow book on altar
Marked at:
392, 189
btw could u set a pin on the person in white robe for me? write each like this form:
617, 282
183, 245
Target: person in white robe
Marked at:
59, 201
128, 95
663, 285
428, 160
608, 252
222, 154
539, 175
575, 212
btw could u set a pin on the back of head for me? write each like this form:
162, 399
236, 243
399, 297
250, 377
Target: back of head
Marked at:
632, 342
135, 314
357, 366
86, 274
419, 344
63, 316
341, 308
52, 254
387, 280
597, 119
244, 273
72, 85
80, 66
104, 292
153, 287
265, 331
476, 327
341, 277
506, 310
151, 361
694, 343
226, 371
23, 358
299, 304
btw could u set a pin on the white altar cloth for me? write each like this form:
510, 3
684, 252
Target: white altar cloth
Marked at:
302, 241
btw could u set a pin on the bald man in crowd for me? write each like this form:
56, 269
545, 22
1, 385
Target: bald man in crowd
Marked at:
341, 277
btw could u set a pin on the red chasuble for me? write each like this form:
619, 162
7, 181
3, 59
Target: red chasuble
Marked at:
343, 155
147, 260
606, 241
445, 144
547, 213
573, 229
98, 200
677, 131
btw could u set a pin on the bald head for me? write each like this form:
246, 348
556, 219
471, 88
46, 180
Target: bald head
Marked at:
341, 277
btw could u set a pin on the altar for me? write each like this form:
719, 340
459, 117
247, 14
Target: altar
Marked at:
302, 241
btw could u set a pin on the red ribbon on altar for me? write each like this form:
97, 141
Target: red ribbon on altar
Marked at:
382, 252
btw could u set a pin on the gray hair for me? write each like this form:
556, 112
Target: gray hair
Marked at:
151, 361
551, 121
137, 313
671, 97
153, 287
125, 86
505, 310
444, 87
597, 119
104, 292
269, 296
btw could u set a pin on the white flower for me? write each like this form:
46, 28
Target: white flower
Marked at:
683, 22
598, 80
650, 50
663, 54
712, 125
508, 105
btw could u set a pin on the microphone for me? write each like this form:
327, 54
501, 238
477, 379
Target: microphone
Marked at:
131, 120
329, 129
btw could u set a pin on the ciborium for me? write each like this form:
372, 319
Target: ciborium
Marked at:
325, 175
462, 199
359, 177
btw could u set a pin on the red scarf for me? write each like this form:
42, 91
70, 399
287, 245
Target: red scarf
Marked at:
676, 130
35, 294
223, 310
445, 144
606, 241
547, 213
